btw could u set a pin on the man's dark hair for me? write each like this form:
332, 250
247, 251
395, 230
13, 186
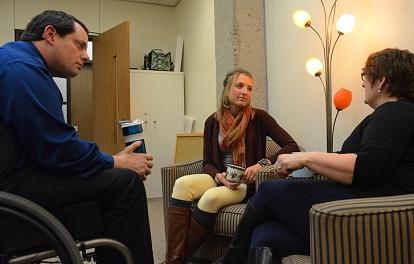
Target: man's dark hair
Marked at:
62, 22
397, 66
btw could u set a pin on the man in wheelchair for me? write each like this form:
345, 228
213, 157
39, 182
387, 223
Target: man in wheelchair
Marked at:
51, 165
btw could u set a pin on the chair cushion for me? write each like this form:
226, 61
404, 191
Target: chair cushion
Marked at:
271, 148
228, 218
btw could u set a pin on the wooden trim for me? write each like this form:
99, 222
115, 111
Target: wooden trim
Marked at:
196, 134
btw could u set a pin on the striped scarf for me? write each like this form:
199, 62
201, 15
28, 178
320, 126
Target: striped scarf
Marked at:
233, 130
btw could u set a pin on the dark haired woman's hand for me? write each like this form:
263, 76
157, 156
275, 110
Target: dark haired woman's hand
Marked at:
286, 163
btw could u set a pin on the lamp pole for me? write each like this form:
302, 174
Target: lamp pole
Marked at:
327, 54
344, 25
328, 105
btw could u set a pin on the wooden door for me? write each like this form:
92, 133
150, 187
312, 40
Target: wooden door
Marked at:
81, 102
110, 87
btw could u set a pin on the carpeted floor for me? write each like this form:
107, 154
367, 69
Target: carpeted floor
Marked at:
156, 216
157, 232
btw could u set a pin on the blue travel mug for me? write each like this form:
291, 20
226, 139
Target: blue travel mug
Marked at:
132, 132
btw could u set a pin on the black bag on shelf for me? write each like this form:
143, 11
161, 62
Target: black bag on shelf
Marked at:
159, 61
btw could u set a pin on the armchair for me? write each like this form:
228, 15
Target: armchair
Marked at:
363, 230
228, 217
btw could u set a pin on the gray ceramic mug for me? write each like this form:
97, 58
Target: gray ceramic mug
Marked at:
234, 173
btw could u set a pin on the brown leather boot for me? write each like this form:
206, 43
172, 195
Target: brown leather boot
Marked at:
196, 236
178, 219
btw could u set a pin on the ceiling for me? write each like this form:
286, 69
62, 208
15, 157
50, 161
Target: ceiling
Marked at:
172, 3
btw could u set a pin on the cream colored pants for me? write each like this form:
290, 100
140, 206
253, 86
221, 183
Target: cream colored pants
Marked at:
203, 187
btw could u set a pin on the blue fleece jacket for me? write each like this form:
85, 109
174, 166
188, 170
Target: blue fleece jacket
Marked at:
31, 107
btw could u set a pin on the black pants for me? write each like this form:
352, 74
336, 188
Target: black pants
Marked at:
119, 193
286, 204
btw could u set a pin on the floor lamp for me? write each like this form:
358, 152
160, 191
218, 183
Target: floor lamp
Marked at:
314, 67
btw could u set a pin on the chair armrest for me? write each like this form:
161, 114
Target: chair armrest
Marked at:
266, 173
171, 173
364, 230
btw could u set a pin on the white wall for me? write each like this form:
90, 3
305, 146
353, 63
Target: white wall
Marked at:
7, 21
296, 99
151, 26
195, 22
86, 11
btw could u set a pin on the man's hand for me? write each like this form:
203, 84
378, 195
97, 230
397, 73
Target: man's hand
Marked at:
222, 178
140, 163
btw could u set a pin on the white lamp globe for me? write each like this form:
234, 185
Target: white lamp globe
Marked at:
314, 67
345, 23
301, 18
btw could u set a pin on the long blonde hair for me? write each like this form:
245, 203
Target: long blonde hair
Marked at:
228, 82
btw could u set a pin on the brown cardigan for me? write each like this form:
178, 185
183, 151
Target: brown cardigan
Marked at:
261, 126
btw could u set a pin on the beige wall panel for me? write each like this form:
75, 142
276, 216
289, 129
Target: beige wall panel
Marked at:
85, 10
7, 21
188, 147
151, 26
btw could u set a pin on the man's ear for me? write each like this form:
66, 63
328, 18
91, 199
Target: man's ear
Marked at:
49, 34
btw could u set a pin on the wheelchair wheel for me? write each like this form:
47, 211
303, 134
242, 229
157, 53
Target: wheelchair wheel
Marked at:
34, 215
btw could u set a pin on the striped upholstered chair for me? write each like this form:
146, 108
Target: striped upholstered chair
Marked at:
367, 230
228, 217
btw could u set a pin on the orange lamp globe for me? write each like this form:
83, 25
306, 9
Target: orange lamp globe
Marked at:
342, 99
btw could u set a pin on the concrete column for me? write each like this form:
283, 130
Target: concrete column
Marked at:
224, 38
240, 42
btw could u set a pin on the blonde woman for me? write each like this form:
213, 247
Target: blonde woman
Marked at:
235, 134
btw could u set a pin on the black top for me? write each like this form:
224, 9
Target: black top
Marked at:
384, 144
